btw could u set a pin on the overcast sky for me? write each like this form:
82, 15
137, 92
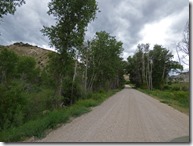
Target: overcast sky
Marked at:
130, 21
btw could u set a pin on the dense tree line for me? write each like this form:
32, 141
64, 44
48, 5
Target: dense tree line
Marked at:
75, 71
27, 91
72, 18
67, 37
18, 77
150, 68
103, 65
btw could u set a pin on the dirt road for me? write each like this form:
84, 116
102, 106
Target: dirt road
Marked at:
128, 116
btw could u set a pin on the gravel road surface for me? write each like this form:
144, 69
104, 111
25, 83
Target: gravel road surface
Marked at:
127, 116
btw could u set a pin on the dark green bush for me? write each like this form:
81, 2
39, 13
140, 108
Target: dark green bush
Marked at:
182, 97
29, 101
176, 88
166, 87
12, 103
8, 62
185, 88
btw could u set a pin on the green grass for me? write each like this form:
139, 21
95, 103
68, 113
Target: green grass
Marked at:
51, 119
179, 100
177, 86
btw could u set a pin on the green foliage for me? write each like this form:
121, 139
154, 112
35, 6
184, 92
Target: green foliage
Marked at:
34, 127
12, 103
67, 91
72, 17
31, 99
9, 7
177, 87
50, 120
62, 77
153, 65
177, 99
162, 65
87, 102
8, 62
105, 67
13, 66
26, 68
38, 101
20, 97
77, 110
58, 65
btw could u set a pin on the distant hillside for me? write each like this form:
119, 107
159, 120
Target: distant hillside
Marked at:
40, 54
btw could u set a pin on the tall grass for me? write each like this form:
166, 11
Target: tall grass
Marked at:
51, 119
180, 100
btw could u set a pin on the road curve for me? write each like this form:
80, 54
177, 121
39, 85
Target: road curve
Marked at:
127, 116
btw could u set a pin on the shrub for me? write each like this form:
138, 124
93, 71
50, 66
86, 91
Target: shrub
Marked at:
176, 99
182, 97
34, 127
185, 88
88, 102
166, 87
12, 104
68, 94
38, 102
8, 62
175, 88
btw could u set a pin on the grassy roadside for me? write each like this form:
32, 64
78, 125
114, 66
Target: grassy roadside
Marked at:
51, 119
179, 100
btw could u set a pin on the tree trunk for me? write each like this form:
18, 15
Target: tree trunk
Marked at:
86, 72
151, 84
163, 76
73, 80
143, 70
59, 88
148, 73
92, 81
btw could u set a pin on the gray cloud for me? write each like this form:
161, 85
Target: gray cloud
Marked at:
124, 19
26, 24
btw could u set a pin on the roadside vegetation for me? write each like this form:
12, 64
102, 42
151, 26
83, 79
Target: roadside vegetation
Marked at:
39, 126
149, 72
80, 75
174, 95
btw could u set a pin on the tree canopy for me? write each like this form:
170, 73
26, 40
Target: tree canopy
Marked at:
183, 47
9, 6
105, 64
150, 68
72, 18
67, 35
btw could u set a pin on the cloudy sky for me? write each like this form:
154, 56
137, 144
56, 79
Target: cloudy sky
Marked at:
130, 21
